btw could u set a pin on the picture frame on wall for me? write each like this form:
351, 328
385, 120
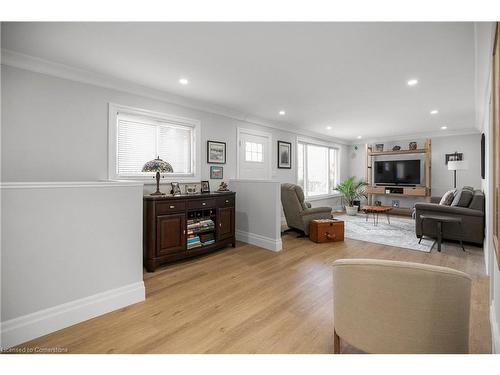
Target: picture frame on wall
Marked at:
216, 172
205, 186
216, 152
284, 155
456, 156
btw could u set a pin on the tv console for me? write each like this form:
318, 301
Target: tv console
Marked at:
404, 191
410, 191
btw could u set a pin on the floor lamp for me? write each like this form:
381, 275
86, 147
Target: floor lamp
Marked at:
457, 165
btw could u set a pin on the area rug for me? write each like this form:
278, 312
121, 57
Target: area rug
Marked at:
399, 233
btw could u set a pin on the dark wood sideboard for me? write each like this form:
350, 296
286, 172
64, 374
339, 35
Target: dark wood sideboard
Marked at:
177, 227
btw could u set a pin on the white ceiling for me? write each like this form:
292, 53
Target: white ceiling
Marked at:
350, 76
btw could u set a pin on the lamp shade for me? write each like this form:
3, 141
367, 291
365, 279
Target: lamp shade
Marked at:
457, 165
157, 165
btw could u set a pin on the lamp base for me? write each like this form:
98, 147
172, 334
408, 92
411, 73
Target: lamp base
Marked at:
158, 193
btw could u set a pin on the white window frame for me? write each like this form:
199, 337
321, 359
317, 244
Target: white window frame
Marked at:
333, 193
115, 109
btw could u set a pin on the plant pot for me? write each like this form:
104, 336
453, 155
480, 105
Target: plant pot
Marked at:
351, 211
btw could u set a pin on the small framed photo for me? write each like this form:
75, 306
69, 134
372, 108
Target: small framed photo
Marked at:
176, 189
205, 187
190, 189
284, 155
216, 172
216, 152
457, 156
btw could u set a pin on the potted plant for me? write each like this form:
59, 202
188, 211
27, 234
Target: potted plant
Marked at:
352, 190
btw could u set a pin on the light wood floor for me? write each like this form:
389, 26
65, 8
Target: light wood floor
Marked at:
250, 300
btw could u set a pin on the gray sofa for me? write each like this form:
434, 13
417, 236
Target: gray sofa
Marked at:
298, 213
472, 219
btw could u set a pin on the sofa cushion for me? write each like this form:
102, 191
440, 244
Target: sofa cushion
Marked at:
477, 202
468, 188
462, 198
448, 197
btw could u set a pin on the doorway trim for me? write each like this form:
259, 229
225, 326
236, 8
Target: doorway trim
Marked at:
260, 133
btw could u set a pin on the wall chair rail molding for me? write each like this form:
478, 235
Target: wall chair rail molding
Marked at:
38, 65
70, 251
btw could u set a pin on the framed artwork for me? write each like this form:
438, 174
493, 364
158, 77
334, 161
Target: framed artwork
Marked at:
176, 189
205, 187
216, 172
284, 155
456, 156
216, 152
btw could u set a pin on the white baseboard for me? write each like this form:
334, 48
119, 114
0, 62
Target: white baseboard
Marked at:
31, 326
258, 240
495, 330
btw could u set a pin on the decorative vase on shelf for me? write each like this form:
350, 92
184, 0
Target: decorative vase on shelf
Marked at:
379, 147
396, 148
413, 145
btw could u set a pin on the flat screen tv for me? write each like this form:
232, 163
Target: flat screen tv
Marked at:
397, 172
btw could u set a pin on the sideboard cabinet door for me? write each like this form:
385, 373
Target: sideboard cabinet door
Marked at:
171, 235
225, 220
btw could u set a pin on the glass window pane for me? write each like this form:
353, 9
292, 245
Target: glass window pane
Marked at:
300, 165
317, 170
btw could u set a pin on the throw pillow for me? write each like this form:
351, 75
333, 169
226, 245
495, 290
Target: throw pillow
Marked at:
462, 198
477, 202
448, 197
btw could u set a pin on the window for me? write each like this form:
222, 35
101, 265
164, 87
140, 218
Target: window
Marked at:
139, 136
253, 152
317, 168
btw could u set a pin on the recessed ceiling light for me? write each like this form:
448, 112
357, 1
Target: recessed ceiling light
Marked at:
282, 113
412, 82
359, 137
444, 127
183, 81
434, 112
328, 128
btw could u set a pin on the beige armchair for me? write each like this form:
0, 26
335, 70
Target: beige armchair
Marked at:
397, 307
298, 213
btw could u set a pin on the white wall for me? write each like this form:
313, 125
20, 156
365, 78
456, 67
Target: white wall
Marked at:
56, 129
70, 251
484, 43
258, 207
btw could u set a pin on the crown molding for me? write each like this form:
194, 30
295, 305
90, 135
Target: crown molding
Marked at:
42, 66
419, 136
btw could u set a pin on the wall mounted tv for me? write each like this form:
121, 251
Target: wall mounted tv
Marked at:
397, 172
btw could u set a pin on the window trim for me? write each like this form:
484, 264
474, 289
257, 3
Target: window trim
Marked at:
316, 142
115, 109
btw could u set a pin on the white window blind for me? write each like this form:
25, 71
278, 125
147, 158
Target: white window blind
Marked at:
317, 169
141, 139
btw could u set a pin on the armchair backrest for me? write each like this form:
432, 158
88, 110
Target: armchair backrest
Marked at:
292, 199
398, 307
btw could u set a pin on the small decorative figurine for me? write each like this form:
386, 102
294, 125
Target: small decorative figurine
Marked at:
413, 145
396, 148
223, 187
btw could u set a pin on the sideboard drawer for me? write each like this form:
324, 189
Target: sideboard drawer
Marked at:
226, 202
202, 203
168, 207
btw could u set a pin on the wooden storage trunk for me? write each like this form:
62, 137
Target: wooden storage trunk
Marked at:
328, 230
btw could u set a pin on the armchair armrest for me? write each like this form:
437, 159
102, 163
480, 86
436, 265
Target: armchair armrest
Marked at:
316, 210
451, 210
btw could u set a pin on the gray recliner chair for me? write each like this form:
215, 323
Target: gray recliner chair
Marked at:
298, 213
